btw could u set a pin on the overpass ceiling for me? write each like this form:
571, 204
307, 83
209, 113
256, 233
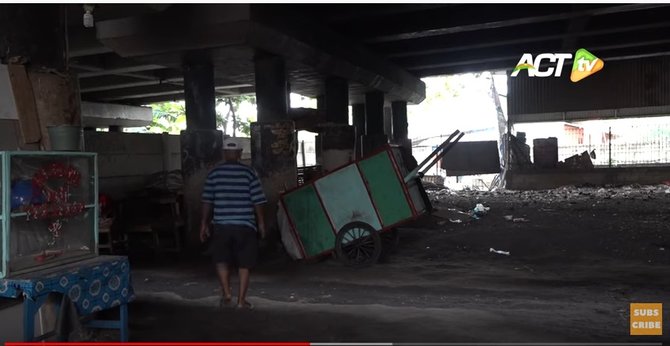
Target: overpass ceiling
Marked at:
391, 45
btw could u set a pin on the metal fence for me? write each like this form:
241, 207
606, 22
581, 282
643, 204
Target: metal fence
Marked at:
616, 143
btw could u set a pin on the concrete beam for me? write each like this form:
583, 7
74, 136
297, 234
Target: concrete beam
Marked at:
95, 71
83, 42
96, 114
512, 21
503, 37
297, 40
135, 92
500, 55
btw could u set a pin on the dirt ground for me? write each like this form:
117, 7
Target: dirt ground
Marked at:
576, 263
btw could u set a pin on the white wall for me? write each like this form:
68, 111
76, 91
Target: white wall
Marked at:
125, 160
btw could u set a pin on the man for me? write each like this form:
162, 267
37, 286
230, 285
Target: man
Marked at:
234, 197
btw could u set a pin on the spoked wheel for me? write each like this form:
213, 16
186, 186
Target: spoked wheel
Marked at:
358, 244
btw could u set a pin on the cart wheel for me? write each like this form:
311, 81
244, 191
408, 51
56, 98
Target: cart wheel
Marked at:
390, 241
358, 244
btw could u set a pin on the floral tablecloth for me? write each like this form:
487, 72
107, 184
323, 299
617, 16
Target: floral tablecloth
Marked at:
92, 285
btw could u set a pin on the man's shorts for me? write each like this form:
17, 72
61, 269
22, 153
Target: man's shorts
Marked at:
234, 245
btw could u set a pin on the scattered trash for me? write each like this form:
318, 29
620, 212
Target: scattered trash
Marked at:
146, 280
458, 211
500, 252
190, 284
85, 248
661, 248
481, 209
455, 220
515, 219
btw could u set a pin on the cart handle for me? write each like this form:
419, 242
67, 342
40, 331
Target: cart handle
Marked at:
444, 152
411, 175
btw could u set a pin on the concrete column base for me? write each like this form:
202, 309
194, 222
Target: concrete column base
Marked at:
201, 151
273, 156
371, 143
338, 144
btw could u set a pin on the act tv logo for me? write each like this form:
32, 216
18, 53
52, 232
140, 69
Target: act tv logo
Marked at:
584, 65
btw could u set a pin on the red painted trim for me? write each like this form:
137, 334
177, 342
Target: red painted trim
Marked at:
293, 228
372, 201
401, 179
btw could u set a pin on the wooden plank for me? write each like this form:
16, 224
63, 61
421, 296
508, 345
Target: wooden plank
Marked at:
56, 100
25, 104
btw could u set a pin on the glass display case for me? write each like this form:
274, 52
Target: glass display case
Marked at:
49, 209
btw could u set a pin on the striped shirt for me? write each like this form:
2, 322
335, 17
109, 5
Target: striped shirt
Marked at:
234, 190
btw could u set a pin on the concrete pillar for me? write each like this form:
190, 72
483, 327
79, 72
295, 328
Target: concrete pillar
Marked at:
321, 108
337, 140
199, 94
400, 132
358, 119
272, 96
201, 143
374, 122
337, 100
273, 138
399, 110
374, 113
273, 155
321, 103
388, 122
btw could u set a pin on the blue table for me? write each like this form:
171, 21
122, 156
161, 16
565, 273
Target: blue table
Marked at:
92, 285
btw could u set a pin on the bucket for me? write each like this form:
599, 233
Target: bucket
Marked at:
65, 137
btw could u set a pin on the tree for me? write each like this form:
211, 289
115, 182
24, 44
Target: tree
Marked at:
168, 117
232, 116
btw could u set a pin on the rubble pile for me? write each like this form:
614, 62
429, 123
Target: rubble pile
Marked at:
567, 193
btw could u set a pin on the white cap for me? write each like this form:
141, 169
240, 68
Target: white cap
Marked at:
231, 143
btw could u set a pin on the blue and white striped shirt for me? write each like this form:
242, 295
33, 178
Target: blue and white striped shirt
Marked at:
234, 190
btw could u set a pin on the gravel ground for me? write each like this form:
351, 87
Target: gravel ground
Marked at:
577, 258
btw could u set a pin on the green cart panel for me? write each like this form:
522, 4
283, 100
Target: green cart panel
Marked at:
311, 223
346, 198
385, 188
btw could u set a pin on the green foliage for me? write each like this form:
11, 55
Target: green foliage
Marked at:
168, 117
232, 118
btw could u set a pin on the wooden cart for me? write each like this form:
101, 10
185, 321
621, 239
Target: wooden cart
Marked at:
351, 209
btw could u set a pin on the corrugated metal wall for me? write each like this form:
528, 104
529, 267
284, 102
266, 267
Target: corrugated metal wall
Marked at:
621, 84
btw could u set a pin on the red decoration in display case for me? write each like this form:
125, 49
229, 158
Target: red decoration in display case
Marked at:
54, 222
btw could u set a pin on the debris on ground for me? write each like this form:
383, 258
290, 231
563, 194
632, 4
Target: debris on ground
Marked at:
500, 252
515, 219
479, 211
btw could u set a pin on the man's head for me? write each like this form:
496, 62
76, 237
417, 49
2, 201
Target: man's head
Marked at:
232, 149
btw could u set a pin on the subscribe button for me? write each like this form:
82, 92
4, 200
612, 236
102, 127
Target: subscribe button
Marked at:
646, 319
